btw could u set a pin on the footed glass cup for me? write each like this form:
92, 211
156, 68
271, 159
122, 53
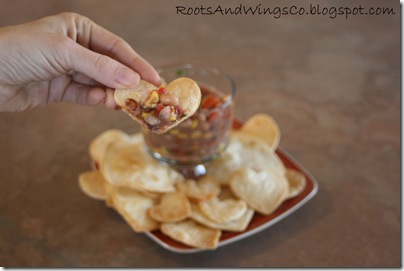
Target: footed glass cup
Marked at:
205, 135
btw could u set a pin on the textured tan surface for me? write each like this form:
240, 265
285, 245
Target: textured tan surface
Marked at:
333, 85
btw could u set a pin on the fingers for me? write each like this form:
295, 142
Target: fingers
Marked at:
109, 100
101, 68
105, 42
95, 96
64, 89
146, 70
101, 62
82, 94
60, 89
85, 80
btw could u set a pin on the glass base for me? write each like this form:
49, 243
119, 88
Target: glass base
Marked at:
190, 170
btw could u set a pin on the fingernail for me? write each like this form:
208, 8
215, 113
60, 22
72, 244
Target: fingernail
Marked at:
126, 77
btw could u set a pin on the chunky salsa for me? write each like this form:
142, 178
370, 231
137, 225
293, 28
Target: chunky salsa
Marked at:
159, 109
199, 138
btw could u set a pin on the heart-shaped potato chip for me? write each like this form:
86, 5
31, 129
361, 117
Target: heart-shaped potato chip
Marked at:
236, 225
204, 189
264, 190
127, 163
223, 210
244, 150
92, 183
99, 144
173, 207
160, 108
297, 182
133, 206
192, 233
264, 127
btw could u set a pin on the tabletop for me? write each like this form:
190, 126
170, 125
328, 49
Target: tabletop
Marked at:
327, 71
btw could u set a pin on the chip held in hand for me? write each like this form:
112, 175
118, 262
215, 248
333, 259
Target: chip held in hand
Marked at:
160, 108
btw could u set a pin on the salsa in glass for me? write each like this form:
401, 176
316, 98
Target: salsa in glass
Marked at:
200, 138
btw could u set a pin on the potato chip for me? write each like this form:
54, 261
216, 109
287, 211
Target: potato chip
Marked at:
247, 151
264, 190
297, 182
148, 194
128, 163
237, 225
136, 138
100, 143
204, 189
146, 95
192, 233
264, 127
173, 207
226, 193
140, 93
133, 206
223, 210
247, 177
92, 183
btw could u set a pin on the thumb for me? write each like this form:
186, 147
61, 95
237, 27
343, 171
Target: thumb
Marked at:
101, 68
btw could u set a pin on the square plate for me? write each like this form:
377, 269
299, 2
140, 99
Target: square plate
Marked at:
258, 222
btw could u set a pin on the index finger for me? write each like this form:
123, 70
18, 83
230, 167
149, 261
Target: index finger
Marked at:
105, 42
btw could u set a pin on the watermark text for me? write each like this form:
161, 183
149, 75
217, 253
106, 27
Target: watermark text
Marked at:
279, 11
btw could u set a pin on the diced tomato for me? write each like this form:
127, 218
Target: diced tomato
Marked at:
161, 90
159, 108
213, 116
179, 111
210, 102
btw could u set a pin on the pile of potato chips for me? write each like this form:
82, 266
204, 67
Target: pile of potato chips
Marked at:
248, 177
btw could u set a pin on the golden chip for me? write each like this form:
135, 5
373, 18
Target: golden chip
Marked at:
297, 182
100, 143
140, 93
264, 190
236, 225
128, 163
247, 177
223, 210
204, 189
247, 151
185, 89
264, 127
133, 206
136, 138
92, 183
172, 207
192, 233
226, 193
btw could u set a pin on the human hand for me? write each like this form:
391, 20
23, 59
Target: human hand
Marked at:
66, 57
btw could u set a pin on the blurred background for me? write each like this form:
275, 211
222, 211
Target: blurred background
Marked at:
332, 84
